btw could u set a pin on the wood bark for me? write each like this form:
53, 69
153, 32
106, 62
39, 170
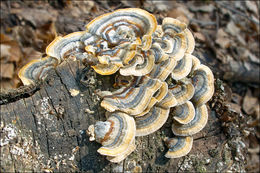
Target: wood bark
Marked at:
55, 122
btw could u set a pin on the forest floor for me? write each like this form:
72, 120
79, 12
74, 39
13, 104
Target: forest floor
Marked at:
226, 32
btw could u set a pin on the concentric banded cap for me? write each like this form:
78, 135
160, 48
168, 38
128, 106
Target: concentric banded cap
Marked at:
134, 99
178, 146
196, 125
184, 113
203, 82
116, 134
36, 70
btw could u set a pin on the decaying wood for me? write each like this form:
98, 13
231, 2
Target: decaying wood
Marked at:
50, 125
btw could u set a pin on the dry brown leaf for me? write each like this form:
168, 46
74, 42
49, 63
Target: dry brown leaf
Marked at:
178, 14
7, 70
5, 84
4, 49
25, 35
10, 49
236, 98
46, 34
162, 5
204, 8
4, 38
79, 8
223, 40
257, 112
254, 58
132, 3
195, 27
249, 103
30, 54
15, 5
16, 81
252, 7
241, 40
36, 16
233, 107
199, 36
232, 28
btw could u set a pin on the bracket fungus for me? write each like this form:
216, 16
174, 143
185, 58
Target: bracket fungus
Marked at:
184, 113
151, 121
195, 125
36, 69
116, 135
144, 55
133, 99
178, 146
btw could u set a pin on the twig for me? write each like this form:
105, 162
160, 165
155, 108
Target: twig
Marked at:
217, 19
203, 23
8, 6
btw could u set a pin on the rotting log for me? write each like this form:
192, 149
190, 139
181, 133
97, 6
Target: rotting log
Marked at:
49, 127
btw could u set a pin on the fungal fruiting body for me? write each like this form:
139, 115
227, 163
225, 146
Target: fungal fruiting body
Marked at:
117, 136
144, 54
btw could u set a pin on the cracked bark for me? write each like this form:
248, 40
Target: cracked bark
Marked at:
58, 125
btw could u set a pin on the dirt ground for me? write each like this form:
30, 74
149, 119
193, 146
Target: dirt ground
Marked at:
227, 40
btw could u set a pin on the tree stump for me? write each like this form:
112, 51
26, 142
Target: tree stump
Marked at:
47, 131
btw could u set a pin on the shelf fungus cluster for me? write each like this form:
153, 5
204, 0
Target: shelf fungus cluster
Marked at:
144, 54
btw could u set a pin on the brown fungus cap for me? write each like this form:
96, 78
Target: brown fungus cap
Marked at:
36, 70
116, 134
183, 67
178, 146
151, 121
182, 91
197, 124
203, 82
184, 113
141, 65
62, 46
133, 99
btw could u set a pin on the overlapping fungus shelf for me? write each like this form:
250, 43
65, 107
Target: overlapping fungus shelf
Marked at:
144, 54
